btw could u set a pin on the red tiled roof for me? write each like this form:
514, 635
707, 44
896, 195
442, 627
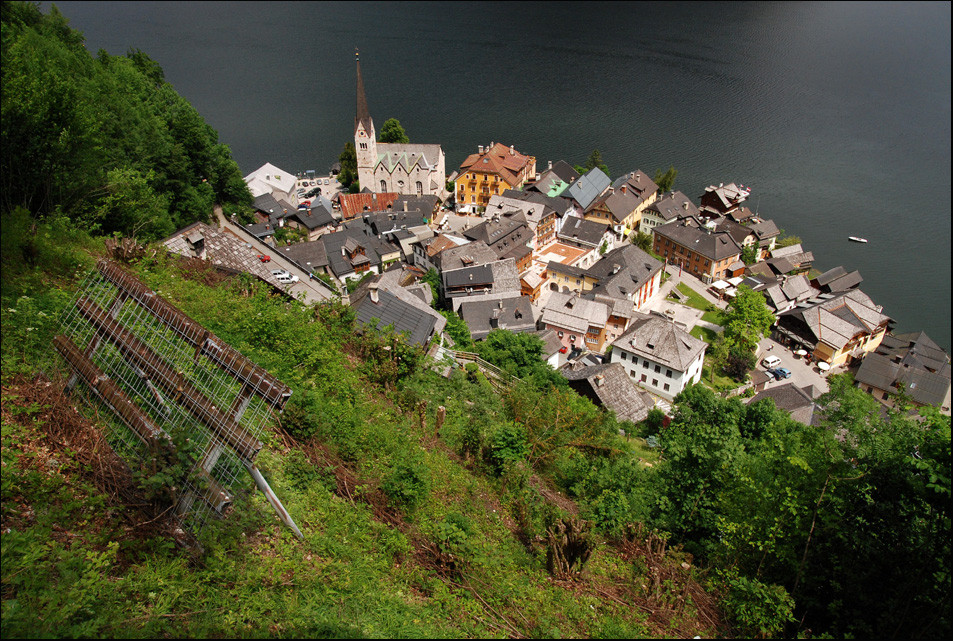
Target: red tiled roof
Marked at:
501, 160
355, 204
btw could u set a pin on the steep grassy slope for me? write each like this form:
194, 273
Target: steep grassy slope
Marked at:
409, 530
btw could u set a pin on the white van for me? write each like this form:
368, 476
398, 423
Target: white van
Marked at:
771, 362
287, 279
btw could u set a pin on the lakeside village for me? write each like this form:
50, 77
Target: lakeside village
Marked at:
553, 252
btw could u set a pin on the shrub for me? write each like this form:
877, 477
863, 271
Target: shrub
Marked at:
507, 443
758, 609
408, 484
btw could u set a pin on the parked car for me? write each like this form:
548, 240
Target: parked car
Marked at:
278, 273
288, 279
265, 258
783, 372
773, 373
304, 204
771, 361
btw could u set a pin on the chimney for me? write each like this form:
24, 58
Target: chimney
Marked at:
495, 319
512, 150
471, 275
372, 290
631, 175
500, 304
599, 380
550, 164
685, 205
622, 189
480, 149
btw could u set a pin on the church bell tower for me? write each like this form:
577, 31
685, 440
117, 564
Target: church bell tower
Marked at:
365, 138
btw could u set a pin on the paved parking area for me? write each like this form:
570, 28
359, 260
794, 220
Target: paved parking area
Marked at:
802, 373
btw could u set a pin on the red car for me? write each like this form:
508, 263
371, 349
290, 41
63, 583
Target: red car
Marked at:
264, 258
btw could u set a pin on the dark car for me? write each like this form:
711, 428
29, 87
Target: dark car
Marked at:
782, 372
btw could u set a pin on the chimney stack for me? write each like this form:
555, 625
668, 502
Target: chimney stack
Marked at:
550, 164
372, 289
480, 149
622, 189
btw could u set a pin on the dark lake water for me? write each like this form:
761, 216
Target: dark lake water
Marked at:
837, 115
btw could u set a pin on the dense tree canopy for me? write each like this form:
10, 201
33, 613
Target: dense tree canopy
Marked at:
665, 181
105, 141
391, 131
850, 518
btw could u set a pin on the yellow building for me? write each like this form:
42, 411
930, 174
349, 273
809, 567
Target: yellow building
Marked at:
490, 172
836, 330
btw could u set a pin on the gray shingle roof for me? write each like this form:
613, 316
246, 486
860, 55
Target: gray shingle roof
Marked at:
483, 316
691, 233
673, 205
589, 187
659, 340
792, 399
923, 386
403, 316
583, 231
607, 385
834, 319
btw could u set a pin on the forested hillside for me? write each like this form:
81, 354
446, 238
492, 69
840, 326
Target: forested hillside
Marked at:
104, 141
431, 505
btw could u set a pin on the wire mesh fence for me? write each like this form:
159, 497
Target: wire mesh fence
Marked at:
173, 385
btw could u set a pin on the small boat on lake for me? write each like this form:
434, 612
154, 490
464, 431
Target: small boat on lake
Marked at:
857, 239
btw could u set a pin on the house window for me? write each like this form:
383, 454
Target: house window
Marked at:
658, 368
383, 185
560, 334
668, 373
643, 378
572, 337
632, 374
420, 188
665, 387
654, 382
645, 364
623, 356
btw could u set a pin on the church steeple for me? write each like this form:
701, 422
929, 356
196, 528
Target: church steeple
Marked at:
365, 138
363, 114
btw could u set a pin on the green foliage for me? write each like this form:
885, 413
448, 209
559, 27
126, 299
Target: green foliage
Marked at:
348, 160
520, 355
787, 241
758, 610
594, 161
609, 512
602, 248
747, 319
750, 254
289, 235
654, 421
392, 132
458, 330
507, 445
432, 278
408, 484
642, 240
105, 141
665, 181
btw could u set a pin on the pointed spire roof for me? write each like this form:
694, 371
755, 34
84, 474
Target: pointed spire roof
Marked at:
363, 114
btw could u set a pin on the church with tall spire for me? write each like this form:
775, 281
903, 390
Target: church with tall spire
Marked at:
404, 168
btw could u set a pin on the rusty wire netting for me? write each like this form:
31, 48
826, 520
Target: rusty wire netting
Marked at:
166, 377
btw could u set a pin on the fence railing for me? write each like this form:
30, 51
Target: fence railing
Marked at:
485, 366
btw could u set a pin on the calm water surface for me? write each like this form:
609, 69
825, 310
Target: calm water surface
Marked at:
836, 115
